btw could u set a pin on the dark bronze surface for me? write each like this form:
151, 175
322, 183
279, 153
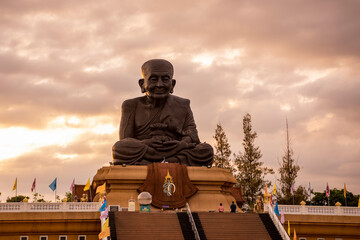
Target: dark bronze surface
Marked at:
159, 126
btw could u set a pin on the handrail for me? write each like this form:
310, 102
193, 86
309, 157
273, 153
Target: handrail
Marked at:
277, 223
192, 222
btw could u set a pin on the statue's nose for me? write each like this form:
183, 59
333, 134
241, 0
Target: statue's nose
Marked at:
159, 83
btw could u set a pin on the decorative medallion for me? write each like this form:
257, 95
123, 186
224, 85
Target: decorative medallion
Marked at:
169, 186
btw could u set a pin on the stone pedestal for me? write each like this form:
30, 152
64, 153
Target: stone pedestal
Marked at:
122, 183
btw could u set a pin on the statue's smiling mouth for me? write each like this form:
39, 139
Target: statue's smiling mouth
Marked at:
159, 90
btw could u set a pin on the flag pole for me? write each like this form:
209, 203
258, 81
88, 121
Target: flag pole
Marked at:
90, 194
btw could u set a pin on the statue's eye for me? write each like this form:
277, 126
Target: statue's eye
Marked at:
153, 79
166, 79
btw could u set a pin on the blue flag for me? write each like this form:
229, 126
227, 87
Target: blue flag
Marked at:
53, 185
276, 210
103, 207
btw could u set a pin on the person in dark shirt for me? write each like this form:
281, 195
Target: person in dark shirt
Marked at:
233, 207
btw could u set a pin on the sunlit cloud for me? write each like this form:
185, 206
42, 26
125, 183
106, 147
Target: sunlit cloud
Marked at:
319, 123
285, 107
204, 59
311, 75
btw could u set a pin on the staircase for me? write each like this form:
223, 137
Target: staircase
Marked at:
199, 226
146, 226
210, 225
270, 227
228, 226
185, 226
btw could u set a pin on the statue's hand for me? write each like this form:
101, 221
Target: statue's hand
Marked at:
154, 143
174, 144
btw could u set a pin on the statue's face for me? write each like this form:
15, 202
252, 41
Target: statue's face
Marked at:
158, 82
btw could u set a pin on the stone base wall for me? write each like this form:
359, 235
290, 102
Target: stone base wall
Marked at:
214, 186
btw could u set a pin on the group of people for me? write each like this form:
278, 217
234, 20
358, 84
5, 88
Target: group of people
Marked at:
232, 207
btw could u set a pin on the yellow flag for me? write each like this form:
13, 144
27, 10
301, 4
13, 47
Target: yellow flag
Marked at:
359, 202
15, 184
274, 191
266, 190
101, 189
289, 228
295, 234
105, 225
105, 233
87, 186
344, 190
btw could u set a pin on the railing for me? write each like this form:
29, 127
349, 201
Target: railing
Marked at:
277, 223
320, 210
50, 207
191, 219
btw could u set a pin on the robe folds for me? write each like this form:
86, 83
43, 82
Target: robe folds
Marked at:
173, 120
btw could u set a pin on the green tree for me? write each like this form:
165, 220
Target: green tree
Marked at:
68, 196
288, 173
37, 197
251, 172
336, 195
19, 198
222, 147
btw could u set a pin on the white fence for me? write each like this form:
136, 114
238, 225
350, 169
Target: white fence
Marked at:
320, 210
50, 207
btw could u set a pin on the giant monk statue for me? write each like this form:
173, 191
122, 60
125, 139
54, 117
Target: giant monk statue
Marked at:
159, 127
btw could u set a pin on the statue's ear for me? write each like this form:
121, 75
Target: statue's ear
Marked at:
173, 82
141, 84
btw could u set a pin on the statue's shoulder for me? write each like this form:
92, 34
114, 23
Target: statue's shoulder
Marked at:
179, 100
132, 103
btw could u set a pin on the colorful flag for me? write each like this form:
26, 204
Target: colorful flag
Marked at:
103, 207
105, 225
87, 186
72, 185
359, 202
53, 184
289, 228
274, 190
104, 214
266, 190
309, 189
101, 189
105, 233
33, 185
15, 185
276, 210
292, 189
344, 190
282, 219
295, 238
327, 190
271, 200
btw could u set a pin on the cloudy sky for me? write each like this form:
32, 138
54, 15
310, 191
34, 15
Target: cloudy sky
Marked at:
67, 66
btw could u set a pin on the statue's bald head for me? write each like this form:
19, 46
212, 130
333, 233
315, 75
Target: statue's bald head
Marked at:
157, 65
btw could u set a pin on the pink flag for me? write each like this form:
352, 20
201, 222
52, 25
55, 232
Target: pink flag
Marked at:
327, 190
72, 185
105, 213
292, 189
33, 185
282, 220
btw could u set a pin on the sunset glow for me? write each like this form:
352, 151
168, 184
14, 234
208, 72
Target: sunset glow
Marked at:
67, 66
